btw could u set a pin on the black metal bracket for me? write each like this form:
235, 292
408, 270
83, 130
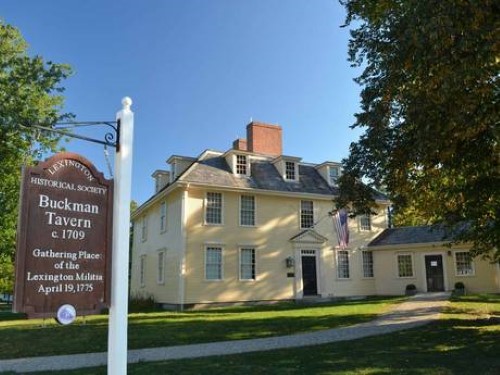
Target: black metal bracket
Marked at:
110, 138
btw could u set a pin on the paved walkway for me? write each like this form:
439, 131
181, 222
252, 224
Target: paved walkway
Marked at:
418, 310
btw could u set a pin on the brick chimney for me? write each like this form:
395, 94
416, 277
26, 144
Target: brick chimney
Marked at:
240, 144
264, 138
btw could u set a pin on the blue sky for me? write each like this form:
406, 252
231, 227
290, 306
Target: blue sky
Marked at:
198, 71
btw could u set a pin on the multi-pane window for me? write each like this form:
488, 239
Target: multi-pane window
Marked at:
289, 170
213, 263
367, 264
342, 264
306, 214
463, 264
142, 270
144, 228
247, 210
213, 208
161, 267
241, 164
333, 173
247, 264
405, 265
365, 222
163, 217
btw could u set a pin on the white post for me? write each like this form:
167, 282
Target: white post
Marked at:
117, 333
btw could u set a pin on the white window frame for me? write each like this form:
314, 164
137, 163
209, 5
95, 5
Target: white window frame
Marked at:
331, 179
472, 271
411, 263
303, 213
365, 223
367, 264
221, 264
253, 265
142, 270
253, 211
163, 216
338, 259
144, 228
160, 279
288, 171
241, 168
221, 208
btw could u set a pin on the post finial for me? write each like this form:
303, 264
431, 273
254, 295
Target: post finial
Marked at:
126, 102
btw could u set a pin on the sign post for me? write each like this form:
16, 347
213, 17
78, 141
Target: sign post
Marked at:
117, 333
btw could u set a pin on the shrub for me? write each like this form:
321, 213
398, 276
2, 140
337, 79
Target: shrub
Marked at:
459, 285
141, 302
411, 287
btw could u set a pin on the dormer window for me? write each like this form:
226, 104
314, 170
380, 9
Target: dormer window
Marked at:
290, 170
242, 165
330, 171
333, 174
288, 167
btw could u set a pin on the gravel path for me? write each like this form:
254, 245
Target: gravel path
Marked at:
420, 309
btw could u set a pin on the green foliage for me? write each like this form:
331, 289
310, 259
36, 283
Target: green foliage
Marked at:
430, 110
29, 94
6, 274
411, 287
142, 303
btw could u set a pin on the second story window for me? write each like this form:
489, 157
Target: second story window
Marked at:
247, 210
213, 208
306, 214
290, 170
144, 228
163, 217
365, 223
241, 165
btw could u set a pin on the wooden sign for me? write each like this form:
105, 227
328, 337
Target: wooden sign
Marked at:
64, 238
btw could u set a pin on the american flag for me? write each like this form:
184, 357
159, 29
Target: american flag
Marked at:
341, 224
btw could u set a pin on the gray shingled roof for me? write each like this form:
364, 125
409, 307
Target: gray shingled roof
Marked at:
411, 235
214, 171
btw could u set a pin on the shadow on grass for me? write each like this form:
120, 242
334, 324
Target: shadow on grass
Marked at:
167, 329
452, 346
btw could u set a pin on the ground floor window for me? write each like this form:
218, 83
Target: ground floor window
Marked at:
213, 263
161, 267
343, 264
367, 263
405, 265
142, 270
247, 263
463, 264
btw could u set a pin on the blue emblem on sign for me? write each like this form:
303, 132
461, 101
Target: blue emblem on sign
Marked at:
66, 314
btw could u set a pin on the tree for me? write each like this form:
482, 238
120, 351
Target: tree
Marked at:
430, 110
30, 93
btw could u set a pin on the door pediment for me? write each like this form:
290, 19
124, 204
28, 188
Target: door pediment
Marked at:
308, 236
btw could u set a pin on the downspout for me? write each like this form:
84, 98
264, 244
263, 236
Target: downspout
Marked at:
182, 258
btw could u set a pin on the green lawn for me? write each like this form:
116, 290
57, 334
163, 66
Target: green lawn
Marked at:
465, 341
156, 329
